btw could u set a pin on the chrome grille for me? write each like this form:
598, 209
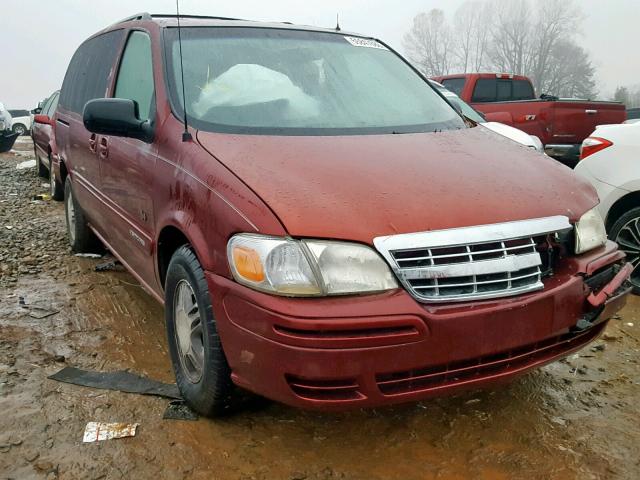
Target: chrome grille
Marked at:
486, 261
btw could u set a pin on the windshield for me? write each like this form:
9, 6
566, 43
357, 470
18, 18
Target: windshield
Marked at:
290, 82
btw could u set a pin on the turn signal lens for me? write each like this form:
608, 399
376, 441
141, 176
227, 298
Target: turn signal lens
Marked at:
248, 264
592, 145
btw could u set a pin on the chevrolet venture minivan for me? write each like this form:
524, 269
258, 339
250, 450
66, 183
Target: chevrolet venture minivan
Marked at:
327, 230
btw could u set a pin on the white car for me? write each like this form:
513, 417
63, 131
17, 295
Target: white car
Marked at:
468, 111
610, 160
21, 121
5, 120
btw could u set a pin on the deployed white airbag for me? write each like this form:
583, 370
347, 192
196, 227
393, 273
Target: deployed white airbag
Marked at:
250, 84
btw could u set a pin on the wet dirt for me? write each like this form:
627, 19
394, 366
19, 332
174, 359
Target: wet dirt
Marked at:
574, 419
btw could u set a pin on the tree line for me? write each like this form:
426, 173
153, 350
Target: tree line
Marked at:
536, 38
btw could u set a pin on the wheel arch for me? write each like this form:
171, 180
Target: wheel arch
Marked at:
621, 206
171, 237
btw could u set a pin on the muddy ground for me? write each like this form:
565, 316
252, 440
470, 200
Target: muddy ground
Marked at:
575, 419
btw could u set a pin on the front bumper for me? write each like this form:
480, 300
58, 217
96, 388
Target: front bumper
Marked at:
334, 353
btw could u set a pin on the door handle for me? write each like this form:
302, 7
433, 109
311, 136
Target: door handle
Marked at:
103, 148
591, 112
92, 143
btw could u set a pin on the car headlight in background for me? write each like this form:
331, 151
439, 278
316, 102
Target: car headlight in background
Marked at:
590, 232
307, 267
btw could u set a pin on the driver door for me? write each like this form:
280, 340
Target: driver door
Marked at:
127, 165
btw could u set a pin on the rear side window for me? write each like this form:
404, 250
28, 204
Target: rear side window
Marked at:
485, 90
88, 73
19, 113
135, 77
454, 85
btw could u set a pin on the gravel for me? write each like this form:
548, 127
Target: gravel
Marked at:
30, 232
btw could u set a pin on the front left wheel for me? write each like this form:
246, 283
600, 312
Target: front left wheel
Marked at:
201, 369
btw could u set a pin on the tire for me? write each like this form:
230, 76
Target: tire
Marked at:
41, 170
55, 187
19, 128
81, 238
626, 233
202, 373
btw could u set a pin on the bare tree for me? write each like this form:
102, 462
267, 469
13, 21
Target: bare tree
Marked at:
471, 30
526, 37
555, 21
429, 43
511, 34
570, 72
622, 95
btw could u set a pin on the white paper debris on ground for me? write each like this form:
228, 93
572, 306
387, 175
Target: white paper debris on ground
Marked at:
27, 164
98, 431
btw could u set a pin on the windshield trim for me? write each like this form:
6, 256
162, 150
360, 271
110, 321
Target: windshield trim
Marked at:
178, 111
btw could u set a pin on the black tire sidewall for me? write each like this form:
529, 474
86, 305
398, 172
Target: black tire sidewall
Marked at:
55, 188
211, 395
83, 239
617, 227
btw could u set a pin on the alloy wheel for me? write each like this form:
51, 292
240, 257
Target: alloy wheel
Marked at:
189, 331
628, 239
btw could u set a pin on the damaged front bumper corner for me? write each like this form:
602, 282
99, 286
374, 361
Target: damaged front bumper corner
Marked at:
609, 298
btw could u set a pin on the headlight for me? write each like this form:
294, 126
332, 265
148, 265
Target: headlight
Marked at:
308, 267
590, 232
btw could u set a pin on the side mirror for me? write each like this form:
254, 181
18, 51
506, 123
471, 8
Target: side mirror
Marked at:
117, 117
36, 111
42, 119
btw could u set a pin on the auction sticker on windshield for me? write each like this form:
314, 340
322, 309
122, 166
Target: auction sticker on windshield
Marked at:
365, 42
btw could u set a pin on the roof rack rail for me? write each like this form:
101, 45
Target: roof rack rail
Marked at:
137, 16
173, 15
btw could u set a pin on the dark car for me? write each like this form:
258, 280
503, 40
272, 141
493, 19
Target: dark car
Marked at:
327, 231
44, 145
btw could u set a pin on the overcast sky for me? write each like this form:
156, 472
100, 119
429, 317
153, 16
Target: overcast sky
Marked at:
38, 37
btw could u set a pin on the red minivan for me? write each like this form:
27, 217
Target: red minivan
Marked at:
327, 231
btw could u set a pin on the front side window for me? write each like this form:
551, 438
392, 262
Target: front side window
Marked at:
522, 90
272, 81
135, 77
53, 104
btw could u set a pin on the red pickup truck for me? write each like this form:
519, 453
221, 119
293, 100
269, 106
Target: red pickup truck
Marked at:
561, 124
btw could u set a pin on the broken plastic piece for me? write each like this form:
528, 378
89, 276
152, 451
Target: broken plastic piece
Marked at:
98, 431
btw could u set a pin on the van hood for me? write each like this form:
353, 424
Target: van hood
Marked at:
361, 187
